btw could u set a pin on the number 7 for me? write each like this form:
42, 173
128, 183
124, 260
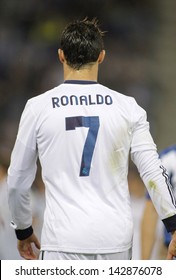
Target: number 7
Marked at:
93, 124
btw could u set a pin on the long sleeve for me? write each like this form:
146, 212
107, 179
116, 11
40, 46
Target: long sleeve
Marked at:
144, 155
22, 170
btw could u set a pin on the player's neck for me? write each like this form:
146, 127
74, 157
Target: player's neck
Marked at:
89, 73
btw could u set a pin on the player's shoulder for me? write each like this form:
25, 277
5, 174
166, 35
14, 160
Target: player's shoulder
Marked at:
168, 157
128, 104
168, 151
40, 102
43, 96
118, 96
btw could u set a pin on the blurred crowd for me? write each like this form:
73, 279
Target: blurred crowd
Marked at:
29, 39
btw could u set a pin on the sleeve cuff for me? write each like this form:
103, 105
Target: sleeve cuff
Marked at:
22, 234
170, 223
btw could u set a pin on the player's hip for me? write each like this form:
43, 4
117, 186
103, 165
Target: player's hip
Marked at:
56, 255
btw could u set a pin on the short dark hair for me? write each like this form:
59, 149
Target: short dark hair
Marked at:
82, 42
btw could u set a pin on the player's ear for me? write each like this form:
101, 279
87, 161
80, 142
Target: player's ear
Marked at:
61, 55
101, 56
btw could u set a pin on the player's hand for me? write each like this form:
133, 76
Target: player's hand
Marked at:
172, 248
25, 248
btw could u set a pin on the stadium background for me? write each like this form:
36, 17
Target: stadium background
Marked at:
140, 44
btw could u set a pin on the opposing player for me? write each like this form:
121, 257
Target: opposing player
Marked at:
150, 217
83, 134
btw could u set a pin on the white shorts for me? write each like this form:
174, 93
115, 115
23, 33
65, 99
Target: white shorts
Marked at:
54, 255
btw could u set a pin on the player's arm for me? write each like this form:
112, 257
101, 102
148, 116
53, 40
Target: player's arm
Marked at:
172, 247
158, 186
21, 174
26, 249
144, 155
148, 230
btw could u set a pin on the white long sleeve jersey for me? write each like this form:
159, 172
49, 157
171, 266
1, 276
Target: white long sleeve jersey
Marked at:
83, 134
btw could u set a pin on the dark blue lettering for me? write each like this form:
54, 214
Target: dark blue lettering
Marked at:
90, 101
108, 100
83, 98
73, 100
99, 99
64, 103
55, 101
